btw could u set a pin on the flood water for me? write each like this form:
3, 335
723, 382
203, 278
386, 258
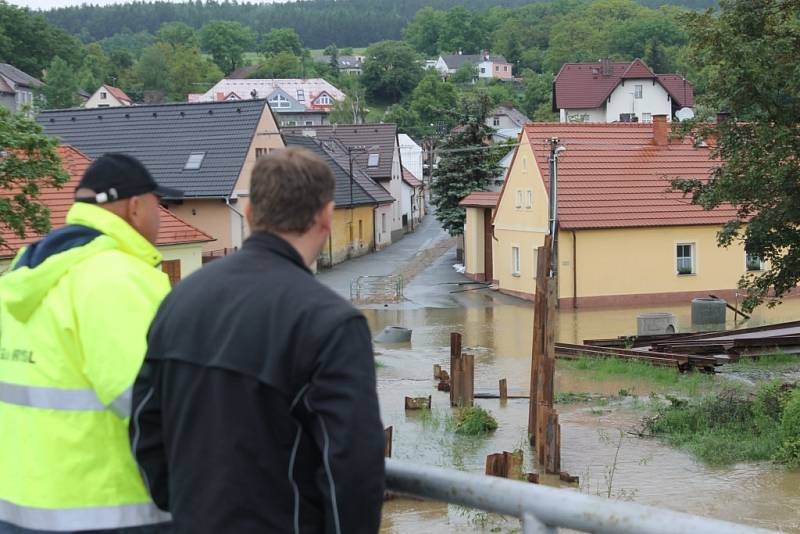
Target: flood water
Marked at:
498, 332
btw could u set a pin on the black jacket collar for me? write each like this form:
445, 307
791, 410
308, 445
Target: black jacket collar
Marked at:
265, 241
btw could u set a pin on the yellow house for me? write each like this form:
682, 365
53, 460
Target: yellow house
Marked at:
361, 220
180, 244
207, 150
623, 236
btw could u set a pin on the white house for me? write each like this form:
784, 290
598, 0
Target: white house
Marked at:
618, 92
16, 87
296, 102
411, 155
486, 65
108, 96
412, 201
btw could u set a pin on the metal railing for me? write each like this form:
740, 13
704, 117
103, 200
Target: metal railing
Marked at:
543, 509
376, 289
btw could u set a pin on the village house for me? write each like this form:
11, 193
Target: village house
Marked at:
363, 208
609, 91
16, 88
375, 148
623, 236
207, 150
180, 244
486, 65
108, 96
412, 201
345, 64
296, 102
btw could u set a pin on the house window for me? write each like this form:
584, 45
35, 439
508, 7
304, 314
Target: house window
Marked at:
685, 258
279, 102
505, 68
754, 262
291, 123
309, 123
373, 160
497, 68
324, 100
529, 204
495, 121
103, 95
519, 198
515, 261
383, 222
647, 117
261, 152
194, 161
637, 91
301, 97
483, 70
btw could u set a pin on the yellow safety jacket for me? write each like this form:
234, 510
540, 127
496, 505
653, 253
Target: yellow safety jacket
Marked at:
74, 313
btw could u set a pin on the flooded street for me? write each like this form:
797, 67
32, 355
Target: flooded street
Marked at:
498, 331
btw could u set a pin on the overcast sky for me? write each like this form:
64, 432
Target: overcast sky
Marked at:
47, 4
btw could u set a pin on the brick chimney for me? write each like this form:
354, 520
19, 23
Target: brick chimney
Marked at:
605, 66
660, 130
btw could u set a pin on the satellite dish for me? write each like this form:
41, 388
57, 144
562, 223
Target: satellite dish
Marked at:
684, 114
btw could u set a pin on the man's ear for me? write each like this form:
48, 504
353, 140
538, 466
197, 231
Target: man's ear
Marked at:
325, 217
248, 215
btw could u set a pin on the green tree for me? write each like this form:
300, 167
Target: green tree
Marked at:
226, 41
465, 165
391, 70
424, 31
433, 102
60, 85
177, 34
466, 73
190, 72
353, 110
280, 65
96, 68
406, 120
538, 96
30, 164
151, 71
753, 47
281, 40
463, 30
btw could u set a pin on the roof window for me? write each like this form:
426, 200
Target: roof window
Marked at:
373, 160
195, 161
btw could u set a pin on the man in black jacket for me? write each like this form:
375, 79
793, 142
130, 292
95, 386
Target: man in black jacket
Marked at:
256, 409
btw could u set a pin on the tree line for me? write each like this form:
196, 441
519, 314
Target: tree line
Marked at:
354, 23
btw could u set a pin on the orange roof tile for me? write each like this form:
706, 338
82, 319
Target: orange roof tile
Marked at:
410, 179
614, 176
118, 93
173, 231
481, 199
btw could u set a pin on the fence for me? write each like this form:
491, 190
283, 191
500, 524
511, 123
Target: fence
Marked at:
376, 289
542, 509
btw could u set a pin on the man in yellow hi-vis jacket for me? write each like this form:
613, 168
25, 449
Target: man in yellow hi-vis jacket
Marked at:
74, 314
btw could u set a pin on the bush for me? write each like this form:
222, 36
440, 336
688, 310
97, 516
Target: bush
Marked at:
474, 421
789, 451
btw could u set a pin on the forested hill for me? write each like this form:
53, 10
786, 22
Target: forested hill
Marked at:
318, 22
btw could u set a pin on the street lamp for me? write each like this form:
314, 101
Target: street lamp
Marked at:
556, 149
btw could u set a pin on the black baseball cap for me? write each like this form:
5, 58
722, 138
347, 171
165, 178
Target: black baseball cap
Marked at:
116, 176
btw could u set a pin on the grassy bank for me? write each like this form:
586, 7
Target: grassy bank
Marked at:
643, 373
735, 425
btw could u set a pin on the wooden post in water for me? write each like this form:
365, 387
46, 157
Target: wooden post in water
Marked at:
505, 465
542, 272
467, 380
503, 391
455, 364
437, 372
387, 447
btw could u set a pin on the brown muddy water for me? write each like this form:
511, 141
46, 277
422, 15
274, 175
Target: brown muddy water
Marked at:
647, 471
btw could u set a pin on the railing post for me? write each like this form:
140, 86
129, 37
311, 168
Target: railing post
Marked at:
532, 525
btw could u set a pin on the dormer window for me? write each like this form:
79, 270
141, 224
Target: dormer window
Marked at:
279, 102
373, 160
301, 97
324, 100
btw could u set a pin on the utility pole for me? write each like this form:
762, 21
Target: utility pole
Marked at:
556, 149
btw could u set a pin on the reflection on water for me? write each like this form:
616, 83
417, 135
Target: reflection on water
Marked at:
500, 338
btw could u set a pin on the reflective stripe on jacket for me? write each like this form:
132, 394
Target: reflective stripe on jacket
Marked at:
74, 314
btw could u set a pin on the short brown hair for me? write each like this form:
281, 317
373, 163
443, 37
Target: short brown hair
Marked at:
288, 188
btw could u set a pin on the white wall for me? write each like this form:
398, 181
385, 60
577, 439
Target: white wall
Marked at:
110, 101
485, 69
595, 115
405, 201
411, 154
655, 100
382, 238
396, 188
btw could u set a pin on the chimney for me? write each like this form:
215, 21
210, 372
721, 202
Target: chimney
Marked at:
722, 116
220, 96
605, 66
660, 130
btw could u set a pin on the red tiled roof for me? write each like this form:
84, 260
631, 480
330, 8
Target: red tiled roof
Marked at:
119, 94
410, 179
173, 230
481, 199
614, 176
583, 86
